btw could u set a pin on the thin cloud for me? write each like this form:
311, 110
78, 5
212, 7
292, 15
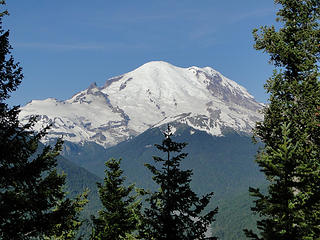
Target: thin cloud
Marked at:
209, 28
80, 47
120, 20
58, 46
253, 14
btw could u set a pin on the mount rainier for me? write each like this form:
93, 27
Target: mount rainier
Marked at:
151, 95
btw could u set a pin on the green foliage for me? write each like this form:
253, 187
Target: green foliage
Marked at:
235, 215
68, 229
224, 164
5, 12
290, 130
221, 163
78, 180
174, 211
32, 201
120, 216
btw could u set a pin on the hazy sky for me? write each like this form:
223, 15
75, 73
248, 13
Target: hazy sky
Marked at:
65, 45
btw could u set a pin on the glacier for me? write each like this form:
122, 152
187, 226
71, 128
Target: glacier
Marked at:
154, 94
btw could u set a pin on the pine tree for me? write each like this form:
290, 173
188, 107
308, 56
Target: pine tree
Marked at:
290, 129
119, 218
174, 212
32, 201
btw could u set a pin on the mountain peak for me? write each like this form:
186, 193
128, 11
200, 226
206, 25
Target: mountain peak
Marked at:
92, 86
156, 92
156, 64
154, 69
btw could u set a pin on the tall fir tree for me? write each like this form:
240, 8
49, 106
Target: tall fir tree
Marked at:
120, 216
290, 129
175, 211
32, 201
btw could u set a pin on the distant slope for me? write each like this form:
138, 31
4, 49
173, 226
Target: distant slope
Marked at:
224, 164
234, 211
234, 216
78, 179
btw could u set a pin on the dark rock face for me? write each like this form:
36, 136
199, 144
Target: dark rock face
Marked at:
217, 87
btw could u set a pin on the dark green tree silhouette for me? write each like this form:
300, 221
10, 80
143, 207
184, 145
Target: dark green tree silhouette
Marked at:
32, 201
290, 129
174, 211
119, 218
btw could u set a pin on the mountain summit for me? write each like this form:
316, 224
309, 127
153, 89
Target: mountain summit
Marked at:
151, 95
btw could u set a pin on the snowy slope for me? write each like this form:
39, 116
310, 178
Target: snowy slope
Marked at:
151, 95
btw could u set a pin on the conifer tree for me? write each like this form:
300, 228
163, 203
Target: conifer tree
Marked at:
69, 228
290, 129
120, 215
32, 201
175, 211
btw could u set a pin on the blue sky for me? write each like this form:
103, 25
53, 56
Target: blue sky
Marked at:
65, 45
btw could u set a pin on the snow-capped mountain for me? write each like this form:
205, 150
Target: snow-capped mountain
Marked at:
153, 94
